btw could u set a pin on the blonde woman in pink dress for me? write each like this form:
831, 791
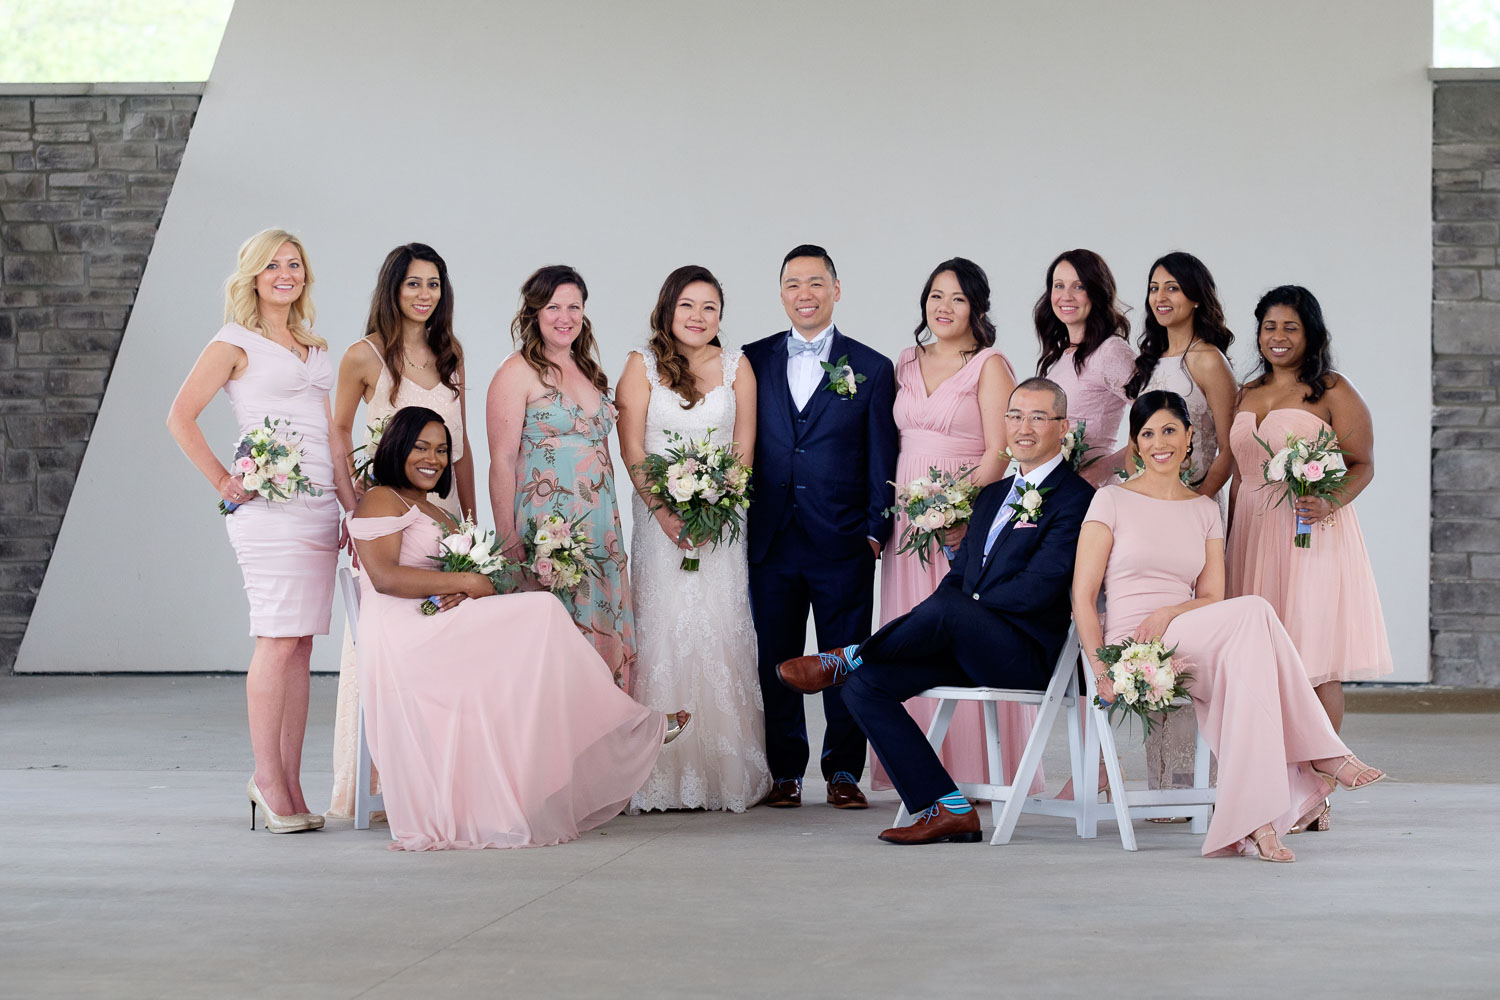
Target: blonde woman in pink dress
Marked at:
1324, 594
951, 395
1157, 548
272, 366
408, 357
1085, 349
494, 720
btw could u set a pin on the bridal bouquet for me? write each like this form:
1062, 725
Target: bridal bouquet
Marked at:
1306, 468
559, 553
1074, 447
1142, 678
364, 467
932, 503
705, 485
271, 464
466, 549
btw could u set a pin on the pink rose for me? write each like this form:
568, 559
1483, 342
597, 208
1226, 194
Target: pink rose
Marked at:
279, 478
1312, 470
543, 569
246, 464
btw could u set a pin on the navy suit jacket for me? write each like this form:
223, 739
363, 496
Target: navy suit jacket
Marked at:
828, 466
1028, 578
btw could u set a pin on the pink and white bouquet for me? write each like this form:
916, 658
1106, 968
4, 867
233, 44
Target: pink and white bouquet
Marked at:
559, 553
705, 485
1074, 447
932, 504
467, 549
1306, 469
1142, 678
270, 463
364, 466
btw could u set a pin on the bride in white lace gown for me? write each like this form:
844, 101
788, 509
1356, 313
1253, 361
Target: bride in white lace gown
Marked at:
695, 640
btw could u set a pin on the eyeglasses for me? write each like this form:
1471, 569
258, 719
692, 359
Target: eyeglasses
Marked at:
1033, 419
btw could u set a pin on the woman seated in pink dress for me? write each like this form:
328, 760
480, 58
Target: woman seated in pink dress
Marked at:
493, 722
1157, 548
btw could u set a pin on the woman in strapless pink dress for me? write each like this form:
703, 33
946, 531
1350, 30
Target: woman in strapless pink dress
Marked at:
272, 366
1085, 349
408, 357
1157, 548
493, 720
1324, 594
952, 390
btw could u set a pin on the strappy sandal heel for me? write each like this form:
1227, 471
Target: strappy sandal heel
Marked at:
1320, 820
1257, 850
1361, 769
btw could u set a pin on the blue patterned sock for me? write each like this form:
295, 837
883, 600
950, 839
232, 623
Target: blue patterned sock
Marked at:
955, 803
849, 656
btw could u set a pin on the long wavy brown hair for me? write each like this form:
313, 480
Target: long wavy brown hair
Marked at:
536, 292
1106, 318
670, 364
385, 316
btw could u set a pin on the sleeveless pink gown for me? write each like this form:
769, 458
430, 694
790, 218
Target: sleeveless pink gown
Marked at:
494, 724
288, 552
1325, 595
943, 430
1250, 693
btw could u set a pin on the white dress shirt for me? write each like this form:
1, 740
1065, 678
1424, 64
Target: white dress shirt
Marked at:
805, 371
1034, 478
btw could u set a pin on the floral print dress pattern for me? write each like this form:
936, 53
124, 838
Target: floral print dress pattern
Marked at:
565, 469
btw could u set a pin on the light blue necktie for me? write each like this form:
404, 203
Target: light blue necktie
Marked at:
1017, 487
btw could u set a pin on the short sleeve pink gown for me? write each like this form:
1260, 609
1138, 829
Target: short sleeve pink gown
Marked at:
494, 724
943, 430
1250, 693
1325, 594
444, 402
1096, 395
288, 552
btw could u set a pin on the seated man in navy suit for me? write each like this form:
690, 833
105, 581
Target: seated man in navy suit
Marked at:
998, 619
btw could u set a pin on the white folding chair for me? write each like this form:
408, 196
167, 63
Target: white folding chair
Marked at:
1006, 801
365, 801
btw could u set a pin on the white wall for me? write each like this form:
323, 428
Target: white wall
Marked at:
1269, 138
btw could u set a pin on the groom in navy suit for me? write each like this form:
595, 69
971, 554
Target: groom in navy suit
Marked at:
998, 619
825, 452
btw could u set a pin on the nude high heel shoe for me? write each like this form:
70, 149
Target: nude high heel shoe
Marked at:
274, 823
676, 723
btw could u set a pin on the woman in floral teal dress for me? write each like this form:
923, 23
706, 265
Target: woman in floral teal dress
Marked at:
549, 417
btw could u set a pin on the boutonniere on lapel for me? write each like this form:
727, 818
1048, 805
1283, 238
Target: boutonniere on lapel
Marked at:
842, 378
1028, 505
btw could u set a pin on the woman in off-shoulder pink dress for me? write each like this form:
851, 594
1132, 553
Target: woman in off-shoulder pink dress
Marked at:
1157, 548
1325, 594
493, 721
952, 390
1083, 335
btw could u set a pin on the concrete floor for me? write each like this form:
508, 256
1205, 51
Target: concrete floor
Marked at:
127, 869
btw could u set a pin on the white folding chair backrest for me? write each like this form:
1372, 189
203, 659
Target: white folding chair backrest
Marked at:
365, 801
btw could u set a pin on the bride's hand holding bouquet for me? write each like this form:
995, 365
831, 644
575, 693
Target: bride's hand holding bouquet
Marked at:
698, 492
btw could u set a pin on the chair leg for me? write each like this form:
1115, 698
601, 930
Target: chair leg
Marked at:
1026, 767
362, 779
1077, 712
995, 760
1119, 797
936, 733
1201, 759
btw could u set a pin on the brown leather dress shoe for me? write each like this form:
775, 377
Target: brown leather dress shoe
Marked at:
811, 674
843, 794
935, 826
784, 794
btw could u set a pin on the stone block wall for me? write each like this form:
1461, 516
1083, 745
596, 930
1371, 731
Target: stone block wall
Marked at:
1466, 380
84, 176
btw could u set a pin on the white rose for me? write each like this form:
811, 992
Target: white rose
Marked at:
918, 489
253, 481
955, 495
681, 488
847, 374
1031, 501
1276, 467
1334, 461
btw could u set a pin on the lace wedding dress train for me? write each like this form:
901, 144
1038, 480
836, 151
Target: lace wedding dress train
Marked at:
695, 639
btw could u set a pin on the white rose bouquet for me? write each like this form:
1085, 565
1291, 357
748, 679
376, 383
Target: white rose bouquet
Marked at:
1074, 447
1142, 678
270, 463
364, 466
707, 486
931, 504
466, 549
1306, 468
559, 552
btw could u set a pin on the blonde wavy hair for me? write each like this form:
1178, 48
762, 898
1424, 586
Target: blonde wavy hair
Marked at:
242, 305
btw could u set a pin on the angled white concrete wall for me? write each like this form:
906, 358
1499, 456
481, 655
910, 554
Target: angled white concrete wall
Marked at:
1270, 139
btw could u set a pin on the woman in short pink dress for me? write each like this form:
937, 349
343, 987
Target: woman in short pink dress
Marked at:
1085, 349
273, 367
1157, 548
493, 720
1325, 594
952, 390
